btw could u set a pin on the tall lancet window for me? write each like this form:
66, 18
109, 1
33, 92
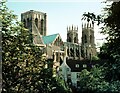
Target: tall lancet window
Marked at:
75, 40
36, 22
85, 39
42, 26
28, 22
24, 22
69, 39
90, 38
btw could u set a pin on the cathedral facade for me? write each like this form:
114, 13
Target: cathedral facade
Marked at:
84, 50
36, 23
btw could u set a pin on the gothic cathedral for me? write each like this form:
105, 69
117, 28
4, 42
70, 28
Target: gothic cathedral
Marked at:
36, 23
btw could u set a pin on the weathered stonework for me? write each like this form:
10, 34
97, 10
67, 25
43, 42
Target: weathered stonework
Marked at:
36, 23
85, 50
88, 41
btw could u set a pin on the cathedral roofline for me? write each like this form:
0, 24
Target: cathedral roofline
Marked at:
33, 11
49, 38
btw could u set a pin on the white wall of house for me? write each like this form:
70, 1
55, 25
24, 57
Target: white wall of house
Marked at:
64, 70
74, 78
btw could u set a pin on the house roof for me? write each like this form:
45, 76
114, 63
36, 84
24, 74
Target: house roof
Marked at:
79, 65
49, 39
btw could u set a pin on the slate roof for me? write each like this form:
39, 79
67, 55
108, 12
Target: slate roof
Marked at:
72, 64
49, 39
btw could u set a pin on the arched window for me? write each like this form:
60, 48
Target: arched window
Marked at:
82, 53
58, 56
90, 56
75, 40
68, 51
71, 52
90, 38
42, 21
36, 22
28, 22
86, 53
24, 22
85, 39
69, 39
77, 52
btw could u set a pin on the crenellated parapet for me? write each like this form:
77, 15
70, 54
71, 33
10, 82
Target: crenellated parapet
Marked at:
72, 34
72, 28
87, 25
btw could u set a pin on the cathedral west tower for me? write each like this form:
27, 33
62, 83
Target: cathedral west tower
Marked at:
88, 40
72, 34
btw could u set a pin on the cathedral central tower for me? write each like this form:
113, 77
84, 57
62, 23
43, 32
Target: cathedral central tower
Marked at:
35, 22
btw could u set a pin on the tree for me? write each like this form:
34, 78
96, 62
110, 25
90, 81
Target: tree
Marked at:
23, 66
111, 27
20, 60
93, 81
91, 17
112, 48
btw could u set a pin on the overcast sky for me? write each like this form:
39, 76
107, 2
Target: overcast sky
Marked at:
60, 13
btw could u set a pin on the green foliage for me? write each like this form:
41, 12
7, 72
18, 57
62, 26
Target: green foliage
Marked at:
95, 58
91, 17
107, 78
112, 47
21, 61
23, 67
93, 81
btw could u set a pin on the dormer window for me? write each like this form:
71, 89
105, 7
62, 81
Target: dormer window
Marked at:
84, 65
77, 65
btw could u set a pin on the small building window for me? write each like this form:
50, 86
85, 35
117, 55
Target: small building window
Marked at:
84, 65
77, 65
93, 66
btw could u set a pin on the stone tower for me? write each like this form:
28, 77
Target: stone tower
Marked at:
35, 21
88, 40
73, 47
72, 34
